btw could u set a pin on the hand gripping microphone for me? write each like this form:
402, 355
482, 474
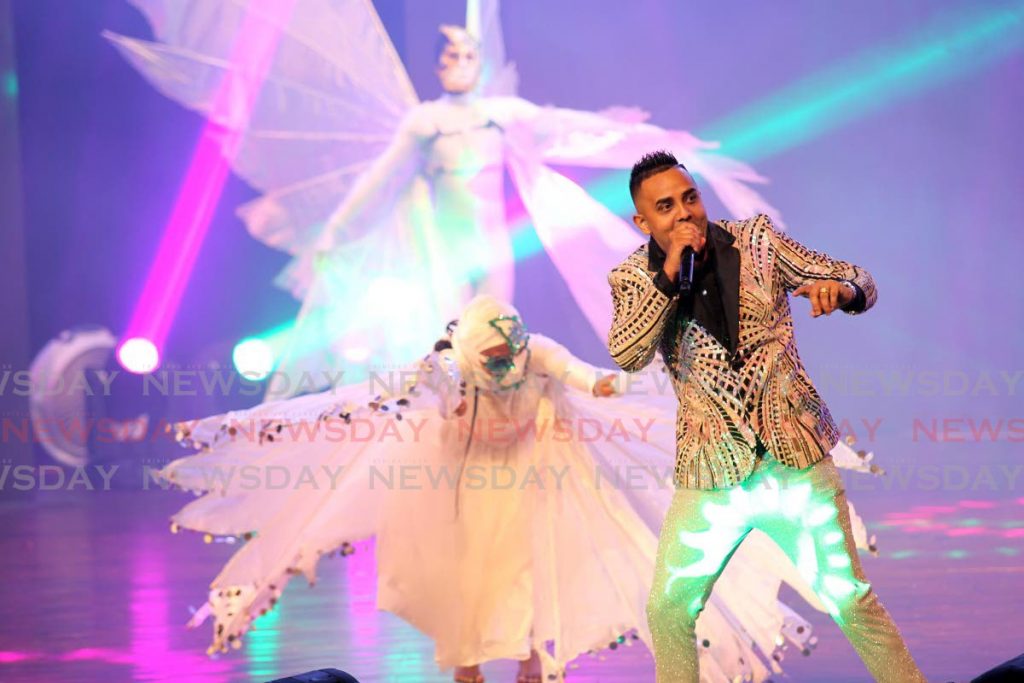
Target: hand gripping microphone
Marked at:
686, 271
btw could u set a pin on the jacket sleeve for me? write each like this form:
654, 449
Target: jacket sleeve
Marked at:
641, 312
797, 266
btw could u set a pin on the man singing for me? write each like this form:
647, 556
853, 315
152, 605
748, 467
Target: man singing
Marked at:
752, 433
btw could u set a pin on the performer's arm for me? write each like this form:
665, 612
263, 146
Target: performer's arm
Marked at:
642, 307
380, 185
615, 140
446, 381
805, 272
551, 358
609, 139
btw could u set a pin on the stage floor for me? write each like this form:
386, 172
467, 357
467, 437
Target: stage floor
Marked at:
97, 589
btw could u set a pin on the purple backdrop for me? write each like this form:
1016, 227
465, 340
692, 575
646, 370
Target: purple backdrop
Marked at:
889, 130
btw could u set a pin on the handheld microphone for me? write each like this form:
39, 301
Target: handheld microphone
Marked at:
686, 271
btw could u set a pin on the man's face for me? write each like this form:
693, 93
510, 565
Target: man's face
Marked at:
458, 67
666, 200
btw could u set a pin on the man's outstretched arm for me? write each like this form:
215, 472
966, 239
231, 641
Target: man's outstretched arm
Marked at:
830, 284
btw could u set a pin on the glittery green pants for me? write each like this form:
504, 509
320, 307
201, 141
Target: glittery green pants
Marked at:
805, 513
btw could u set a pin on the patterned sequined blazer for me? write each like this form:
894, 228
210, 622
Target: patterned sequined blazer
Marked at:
727, 400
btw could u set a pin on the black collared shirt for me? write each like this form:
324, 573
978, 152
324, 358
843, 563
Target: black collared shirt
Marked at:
704, 305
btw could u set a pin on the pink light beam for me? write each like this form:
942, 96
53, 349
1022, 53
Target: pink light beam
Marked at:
251, 57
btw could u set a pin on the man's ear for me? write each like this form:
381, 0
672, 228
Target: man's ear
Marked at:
641, 223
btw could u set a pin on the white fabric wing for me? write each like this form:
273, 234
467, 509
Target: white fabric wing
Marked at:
334, 94
618, 137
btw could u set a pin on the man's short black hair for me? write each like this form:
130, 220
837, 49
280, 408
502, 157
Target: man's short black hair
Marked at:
651, 164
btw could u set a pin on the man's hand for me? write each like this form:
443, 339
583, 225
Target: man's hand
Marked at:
605, 386
682, 236
825, 295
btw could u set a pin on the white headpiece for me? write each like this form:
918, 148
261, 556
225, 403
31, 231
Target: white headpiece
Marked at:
487, 322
